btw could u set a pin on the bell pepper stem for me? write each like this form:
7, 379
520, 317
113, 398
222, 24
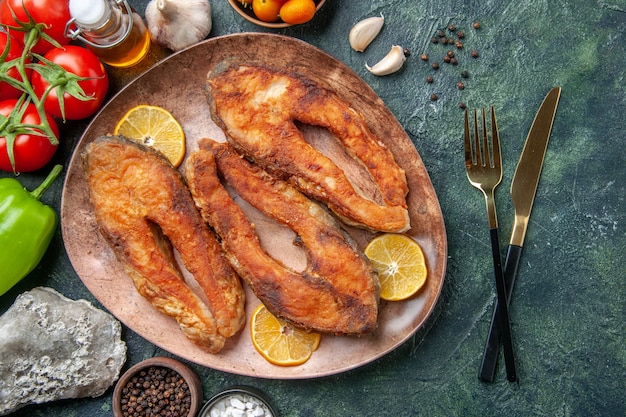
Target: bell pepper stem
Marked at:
38, 192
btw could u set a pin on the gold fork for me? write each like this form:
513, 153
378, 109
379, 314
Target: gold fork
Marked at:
483, 165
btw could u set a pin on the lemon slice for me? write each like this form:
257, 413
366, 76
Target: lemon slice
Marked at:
280, 342
400, 264
155, 127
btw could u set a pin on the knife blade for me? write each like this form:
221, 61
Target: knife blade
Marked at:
523, 190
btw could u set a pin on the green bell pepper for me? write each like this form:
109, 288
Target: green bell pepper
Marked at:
26, 228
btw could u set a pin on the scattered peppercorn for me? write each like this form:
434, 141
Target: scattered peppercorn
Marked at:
462, 105
156, 391
406, 52
453, 36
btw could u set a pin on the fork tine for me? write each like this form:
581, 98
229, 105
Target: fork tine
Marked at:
478, 154
467, 142
495, 138
486, 156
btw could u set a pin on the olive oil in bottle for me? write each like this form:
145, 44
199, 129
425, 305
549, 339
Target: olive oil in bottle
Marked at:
111, 29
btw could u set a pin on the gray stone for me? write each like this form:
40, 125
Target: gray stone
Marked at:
54, 348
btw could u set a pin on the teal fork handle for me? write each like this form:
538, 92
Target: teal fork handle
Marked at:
502, 316
492, 347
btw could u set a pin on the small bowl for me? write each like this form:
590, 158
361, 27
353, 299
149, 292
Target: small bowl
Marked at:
248, 14
190, 377
242, 393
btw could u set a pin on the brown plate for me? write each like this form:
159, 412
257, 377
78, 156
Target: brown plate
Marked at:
177, 84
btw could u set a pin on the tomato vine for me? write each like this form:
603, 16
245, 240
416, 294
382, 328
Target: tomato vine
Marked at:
28, 62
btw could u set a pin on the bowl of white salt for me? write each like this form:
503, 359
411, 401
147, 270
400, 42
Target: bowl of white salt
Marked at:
241, 401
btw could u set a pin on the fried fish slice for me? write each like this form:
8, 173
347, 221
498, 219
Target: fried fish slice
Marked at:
256, 107
338, 292
138, 198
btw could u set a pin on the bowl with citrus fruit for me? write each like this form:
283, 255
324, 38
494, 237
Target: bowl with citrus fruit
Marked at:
277, 13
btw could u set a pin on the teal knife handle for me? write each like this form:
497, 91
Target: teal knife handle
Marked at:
490, 354
504, 323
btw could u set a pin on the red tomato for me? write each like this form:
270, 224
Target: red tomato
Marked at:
83, 63
53, 13
31, 152
15, 51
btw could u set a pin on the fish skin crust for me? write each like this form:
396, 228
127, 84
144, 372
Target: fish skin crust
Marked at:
338, 292
138, 198
256, 107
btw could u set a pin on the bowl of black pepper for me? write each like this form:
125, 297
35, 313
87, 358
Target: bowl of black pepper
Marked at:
155, 387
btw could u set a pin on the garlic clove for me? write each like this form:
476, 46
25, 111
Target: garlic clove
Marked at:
177, 24
391, 63
364, 32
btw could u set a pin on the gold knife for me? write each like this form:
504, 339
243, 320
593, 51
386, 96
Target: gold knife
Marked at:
523, 189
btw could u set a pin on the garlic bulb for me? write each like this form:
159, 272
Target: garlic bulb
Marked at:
177, 24
391, 63
364, 32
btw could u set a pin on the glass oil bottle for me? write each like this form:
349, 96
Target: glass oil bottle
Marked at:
111, 29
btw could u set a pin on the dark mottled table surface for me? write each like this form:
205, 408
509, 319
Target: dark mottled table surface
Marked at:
569, 304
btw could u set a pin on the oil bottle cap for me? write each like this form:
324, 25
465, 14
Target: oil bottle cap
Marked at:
90, 13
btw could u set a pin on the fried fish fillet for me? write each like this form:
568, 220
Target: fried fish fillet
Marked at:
256, 107
338, 292
138, 198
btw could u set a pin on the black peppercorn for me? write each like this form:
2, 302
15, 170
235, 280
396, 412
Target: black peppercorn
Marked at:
424, 57
453, 61
460, 34
460, 85
459, 45
429, 79
434, 97
435, 66
446, 59
434, 39
462, 105
476, 25
474, 53
464, 74
451, 27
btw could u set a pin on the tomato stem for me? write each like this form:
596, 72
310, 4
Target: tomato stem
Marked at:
27, 87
